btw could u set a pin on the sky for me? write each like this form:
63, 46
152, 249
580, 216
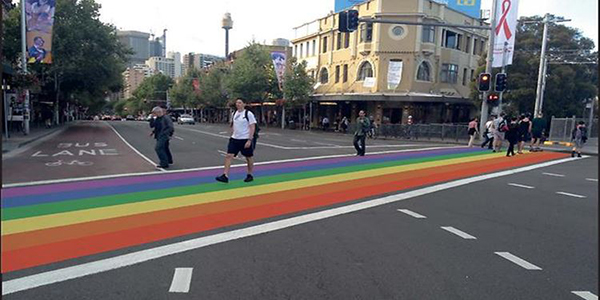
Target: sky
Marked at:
195, 25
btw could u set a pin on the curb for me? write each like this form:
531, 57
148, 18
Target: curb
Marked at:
567, 144
36, 138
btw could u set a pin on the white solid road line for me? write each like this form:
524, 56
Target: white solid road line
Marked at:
460, 233
212, 168
181, 280
132, 148
571, 195
592, 179
521, 186
553, 174
585, 295
521, 262
412, 213
179, 138
112, 263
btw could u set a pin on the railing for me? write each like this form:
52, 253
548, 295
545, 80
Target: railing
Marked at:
443, 132
561, 128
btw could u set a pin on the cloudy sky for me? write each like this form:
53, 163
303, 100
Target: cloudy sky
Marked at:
195, 25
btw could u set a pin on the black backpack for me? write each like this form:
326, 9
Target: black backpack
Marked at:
256, 128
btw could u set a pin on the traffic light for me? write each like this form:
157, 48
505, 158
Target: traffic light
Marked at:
500, 82
352, 20
484, 82
343, 22
492, 99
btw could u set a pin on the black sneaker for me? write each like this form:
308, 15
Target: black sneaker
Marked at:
249, 178
223, 178
578, 154
162, 167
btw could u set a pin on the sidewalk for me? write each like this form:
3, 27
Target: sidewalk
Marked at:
18, 139
590, 148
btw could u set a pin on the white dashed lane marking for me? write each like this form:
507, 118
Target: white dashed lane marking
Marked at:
521, 186
181, 280
592, 179
554, 174
571, 195
460, 233
518, 261
585, 295
412, 213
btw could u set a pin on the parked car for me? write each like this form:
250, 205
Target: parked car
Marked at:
106, 118
186, 119
116, 118
130, 118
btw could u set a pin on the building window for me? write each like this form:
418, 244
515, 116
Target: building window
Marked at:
428, 34
452, 40
345, 78
325, 44
468, 45
339, 41
464, 78
337, 74
324, 76
424, 72
365, 70
295, 51
314, 47
474, 46
347, 40
301, 50
449, 73
472, 75
481, 47
366, 32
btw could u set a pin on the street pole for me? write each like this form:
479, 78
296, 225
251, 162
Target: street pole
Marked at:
541, 107
504, 50
542, 74
591, 118
488, 69
24, 65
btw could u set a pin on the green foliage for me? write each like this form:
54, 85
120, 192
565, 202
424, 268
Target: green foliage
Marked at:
298, 84
183, 94
567, 86
252, 76
212, 87
152, 89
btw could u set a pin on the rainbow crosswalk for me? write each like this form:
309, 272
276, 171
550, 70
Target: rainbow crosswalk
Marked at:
50, 223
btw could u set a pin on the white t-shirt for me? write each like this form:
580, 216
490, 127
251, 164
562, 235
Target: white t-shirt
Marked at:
241, 126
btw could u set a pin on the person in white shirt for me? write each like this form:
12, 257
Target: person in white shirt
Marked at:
243, 126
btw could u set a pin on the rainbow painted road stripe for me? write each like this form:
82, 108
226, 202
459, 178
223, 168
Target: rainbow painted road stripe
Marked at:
51, 223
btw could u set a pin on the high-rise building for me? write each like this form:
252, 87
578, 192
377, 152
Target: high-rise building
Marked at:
156, 47
176, 56
199, 60
162, 65
138, 42
133, 77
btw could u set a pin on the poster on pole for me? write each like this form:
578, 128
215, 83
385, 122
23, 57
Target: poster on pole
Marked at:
279, 62
39, 16
394, 74
505, 30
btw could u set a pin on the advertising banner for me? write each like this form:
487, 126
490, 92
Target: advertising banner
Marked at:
279, 62
346, 4
39, 16
394, 74
505, 30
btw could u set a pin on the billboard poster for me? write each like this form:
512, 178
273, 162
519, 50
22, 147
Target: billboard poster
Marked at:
394, 74
39, 16
505, 30
341, 5
279, 62
469, 7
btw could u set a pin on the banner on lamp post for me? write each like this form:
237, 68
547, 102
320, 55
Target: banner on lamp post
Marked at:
279, 62
394, 74
505, 31
39, 16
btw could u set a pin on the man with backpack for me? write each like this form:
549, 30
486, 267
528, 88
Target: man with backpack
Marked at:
163, 131
499, 128
243, 139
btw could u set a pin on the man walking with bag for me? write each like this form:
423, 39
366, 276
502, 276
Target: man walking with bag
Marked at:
243, 139
363, 125
163, 130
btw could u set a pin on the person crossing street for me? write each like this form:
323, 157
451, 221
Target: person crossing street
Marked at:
163, 131
363, 125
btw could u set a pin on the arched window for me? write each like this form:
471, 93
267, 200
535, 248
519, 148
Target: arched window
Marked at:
365, 70
424, 72
324, 76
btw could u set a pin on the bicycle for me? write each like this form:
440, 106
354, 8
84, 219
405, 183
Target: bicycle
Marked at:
72, 163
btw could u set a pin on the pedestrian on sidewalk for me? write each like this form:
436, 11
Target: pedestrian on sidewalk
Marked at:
489, 134
499, 128
524, 132
472, 131
163, 131
325, 124
362, 127
243, 139
344, 124
512, 136
538, 125
579, 137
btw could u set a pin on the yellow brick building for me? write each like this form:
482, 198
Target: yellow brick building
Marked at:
351, 69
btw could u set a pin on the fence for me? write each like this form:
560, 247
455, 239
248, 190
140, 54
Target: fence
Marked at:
443, 132
561, 128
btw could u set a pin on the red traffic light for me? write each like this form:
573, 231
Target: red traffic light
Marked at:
493, 97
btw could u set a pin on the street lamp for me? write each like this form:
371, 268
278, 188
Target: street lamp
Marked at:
227, 23
5, 88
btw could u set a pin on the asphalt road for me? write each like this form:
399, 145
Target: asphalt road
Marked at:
382, 253
204, 145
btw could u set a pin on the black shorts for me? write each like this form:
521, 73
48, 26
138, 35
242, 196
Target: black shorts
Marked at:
536, 135
236, 146
524, 137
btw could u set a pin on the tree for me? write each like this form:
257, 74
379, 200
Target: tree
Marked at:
213, 91
298, 85
183, 93
88, 58
567, 86
251, 75
153, 90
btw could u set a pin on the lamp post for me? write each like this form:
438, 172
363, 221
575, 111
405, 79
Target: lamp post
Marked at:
227, 24
5, 88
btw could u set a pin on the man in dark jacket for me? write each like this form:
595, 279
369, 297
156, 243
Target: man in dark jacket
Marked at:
163, 130
362, 128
